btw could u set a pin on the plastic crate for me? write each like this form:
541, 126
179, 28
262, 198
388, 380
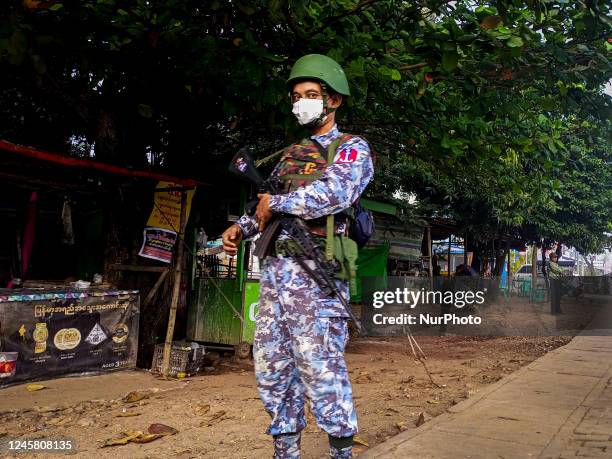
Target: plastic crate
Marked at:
183, 359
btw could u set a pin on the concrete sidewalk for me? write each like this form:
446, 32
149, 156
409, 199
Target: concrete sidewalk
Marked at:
559, 406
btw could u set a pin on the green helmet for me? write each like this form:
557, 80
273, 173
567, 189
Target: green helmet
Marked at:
320, 67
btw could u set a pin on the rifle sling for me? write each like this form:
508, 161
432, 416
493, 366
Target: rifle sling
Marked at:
329, 226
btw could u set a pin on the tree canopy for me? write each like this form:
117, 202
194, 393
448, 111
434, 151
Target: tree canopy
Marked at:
489, 112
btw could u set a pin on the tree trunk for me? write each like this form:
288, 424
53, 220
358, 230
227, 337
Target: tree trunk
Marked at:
476, 259
106, 138
500, 255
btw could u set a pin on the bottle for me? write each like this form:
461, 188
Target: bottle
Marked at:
40, 336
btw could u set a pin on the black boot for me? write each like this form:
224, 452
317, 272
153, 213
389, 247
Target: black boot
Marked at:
340, 447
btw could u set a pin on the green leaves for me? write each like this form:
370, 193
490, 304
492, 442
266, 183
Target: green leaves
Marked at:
392, 74
39, 64
450, 59
145, 110
514, 42
480, 111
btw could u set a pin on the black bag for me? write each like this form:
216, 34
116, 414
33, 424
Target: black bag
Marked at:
362, 225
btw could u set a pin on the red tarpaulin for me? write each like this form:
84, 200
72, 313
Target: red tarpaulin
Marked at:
70, 161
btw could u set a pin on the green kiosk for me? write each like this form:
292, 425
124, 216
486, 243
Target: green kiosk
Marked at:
225, 290
224, 296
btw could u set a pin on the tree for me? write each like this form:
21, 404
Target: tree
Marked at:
471, 106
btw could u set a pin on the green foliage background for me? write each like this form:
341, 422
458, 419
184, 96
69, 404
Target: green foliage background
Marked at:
489, 112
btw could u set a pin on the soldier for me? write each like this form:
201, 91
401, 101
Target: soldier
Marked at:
301, 333
555, 275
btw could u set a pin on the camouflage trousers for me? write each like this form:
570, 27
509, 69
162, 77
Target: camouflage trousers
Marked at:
299, 352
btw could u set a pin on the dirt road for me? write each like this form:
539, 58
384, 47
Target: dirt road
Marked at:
218, 414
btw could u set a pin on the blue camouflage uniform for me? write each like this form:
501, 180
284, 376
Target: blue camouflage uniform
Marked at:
301, 333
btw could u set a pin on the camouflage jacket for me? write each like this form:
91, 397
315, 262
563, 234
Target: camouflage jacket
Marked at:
339, 184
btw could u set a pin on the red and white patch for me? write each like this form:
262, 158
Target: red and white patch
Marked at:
347, 156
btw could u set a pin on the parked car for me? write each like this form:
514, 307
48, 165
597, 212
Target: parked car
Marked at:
524, 272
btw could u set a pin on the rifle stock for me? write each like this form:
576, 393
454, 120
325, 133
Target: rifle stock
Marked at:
263, 246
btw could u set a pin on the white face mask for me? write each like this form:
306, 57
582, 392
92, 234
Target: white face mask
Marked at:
308, 110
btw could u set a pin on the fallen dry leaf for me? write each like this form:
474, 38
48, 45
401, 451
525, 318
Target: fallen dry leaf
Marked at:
127, 437
363, 378
161, 429
140, 437
215, 417
127, 414
201, 410
360, 441
401, 426
146, 438
35, 387
134, 396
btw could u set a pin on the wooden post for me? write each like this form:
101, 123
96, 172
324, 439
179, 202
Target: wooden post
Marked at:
449, 255
509, 270
154, 289
429, 252
493, 258
178, 268
534, 270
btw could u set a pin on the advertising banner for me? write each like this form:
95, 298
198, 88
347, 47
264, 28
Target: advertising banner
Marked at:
158, 244
48, 334
166, 211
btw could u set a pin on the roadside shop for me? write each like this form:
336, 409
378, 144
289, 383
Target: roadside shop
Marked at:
64, 308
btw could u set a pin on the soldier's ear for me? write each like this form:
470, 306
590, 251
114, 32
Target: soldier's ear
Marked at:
335, 100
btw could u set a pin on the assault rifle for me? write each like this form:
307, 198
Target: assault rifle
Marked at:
304, 247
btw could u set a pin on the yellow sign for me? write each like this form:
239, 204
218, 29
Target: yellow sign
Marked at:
166, 211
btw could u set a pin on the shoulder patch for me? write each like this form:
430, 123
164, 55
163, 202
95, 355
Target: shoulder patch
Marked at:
347, 155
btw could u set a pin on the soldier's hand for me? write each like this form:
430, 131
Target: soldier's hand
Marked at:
231, 237
263, 213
